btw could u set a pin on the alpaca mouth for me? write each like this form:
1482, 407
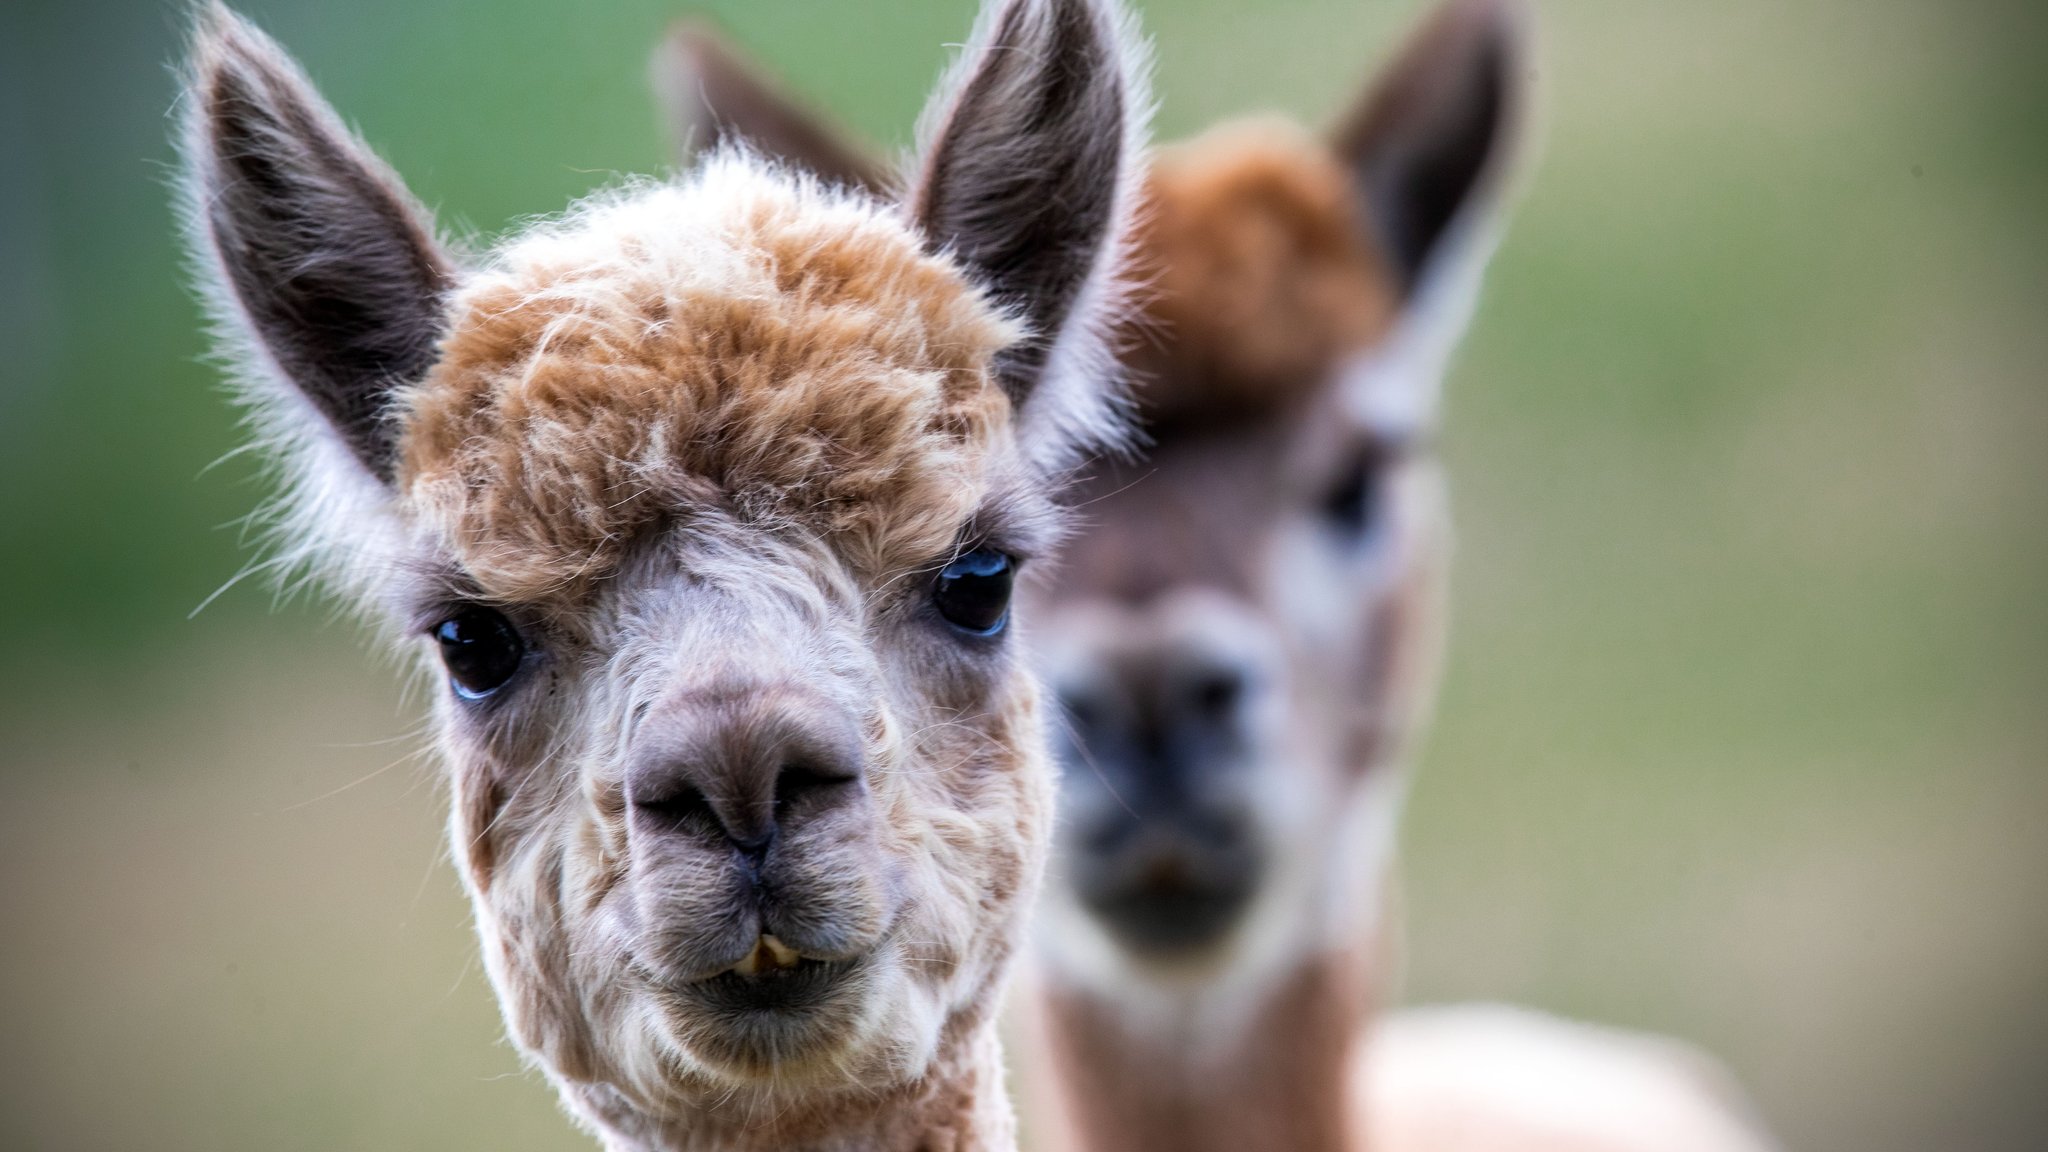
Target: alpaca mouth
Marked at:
1167, 922
773, 978
1173, 899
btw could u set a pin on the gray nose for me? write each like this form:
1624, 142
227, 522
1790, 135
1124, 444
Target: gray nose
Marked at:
1160, 840
1164, 724
746, 768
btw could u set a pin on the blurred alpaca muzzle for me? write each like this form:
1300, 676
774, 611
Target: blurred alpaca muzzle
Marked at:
1163, 841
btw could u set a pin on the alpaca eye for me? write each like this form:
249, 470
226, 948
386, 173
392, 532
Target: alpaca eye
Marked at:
1352, 504
481, 649
973, 592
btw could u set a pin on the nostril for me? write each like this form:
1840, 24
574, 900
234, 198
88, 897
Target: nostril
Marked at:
1216, 694
802, 789
682, 807
723, 772
1107, 835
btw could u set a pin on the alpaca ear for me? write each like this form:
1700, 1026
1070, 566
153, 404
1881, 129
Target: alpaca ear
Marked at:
1431, 142
711, 93
325, 272
1029, 176
1431, 147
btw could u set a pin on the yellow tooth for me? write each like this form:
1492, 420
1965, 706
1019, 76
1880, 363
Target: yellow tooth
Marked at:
751, 966
780, 954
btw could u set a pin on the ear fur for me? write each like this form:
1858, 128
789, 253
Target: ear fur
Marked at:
1431, 142
323, 272
711, 93
1031, 160
1432, 147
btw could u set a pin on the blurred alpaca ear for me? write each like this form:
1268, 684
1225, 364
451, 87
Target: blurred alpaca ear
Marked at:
1431, 143
1431, 147
711, 93
1029, 176
325, 274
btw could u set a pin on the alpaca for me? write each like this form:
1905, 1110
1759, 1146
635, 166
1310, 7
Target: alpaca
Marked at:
1244, 632
701, 507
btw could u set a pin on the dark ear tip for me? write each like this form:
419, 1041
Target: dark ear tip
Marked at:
1443, 126
1498, 30
1045, 20
1503, 39
1460, 43
231, 61
1499, 16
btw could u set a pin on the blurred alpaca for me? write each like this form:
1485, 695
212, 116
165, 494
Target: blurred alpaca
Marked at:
1244, 634
701, 507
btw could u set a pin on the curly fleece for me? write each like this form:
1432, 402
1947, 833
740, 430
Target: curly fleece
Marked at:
1263, 274
784, 352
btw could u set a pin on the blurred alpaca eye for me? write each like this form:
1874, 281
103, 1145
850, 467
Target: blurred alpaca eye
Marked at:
481, 649
1352, 504
973, 592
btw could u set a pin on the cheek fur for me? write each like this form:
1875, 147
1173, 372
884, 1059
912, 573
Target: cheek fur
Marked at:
982, 794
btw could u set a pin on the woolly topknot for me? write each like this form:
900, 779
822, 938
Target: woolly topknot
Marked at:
748, 341
1263, 275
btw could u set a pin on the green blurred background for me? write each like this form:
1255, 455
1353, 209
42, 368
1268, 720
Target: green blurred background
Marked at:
1744, 736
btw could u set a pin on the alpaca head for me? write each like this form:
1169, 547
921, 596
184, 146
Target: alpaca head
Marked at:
1244, 629
701, 506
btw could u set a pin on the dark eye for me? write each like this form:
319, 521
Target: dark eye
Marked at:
1352, 503
973, 592
481, 649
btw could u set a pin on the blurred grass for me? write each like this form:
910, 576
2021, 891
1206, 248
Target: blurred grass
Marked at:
1743, 734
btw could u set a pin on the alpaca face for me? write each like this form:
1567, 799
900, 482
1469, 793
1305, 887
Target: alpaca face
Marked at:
767, 811
757, 775
702, 506
1243, 634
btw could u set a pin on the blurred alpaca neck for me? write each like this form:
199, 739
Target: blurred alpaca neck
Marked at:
1279, 1080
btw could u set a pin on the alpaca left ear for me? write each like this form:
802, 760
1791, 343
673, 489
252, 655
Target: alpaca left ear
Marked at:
712, 94
1029, 178
324, 272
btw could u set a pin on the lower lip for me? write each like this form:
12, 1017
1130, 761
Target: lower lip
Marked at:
788, 991
1181, 921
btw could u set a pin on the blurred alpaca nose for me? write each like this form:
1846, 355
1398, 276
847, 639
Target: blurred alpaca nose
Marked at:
1163, 844
743, 767
1164, 723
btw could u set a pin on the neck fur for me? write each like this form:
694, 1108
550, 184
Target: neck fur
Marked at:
1277, 1079
959, 1105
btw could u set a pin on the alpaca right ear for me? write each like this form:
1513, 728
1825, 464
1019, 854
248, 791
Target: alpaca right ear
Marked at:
711, 94
325, 271
1029, 177
1431, 143
1430, 149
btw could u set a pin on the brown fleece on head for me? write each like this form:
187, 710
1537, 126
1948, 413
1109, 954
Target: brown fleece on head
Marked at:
1262, 274
756, 344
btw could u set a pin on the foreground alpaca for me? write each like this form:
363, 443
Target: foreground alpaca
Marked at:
1244, 632
707, 501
